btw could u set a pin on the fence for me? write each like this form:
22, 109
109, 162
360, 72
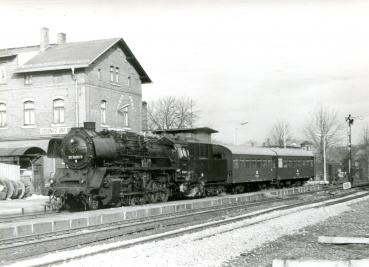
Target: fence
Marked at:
12, 172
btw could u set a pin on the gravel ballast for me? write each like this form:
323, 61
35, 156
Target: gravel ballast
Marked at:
237, 244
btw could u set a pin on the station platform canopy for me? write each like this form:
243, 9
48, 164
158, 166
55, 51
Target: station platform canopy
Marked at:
21, 151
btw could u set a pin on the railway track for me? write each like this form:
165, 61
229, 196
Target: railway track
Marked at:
46, 213
16, 249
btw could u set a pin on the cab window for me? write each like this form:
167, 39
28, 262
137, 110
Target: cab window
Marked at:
182, 153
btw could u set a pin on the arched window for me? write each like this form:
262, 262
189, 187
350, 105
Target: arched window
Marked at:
125, 116
2, 114
29, 113
117, 75
58, 108
103, 111
111, 73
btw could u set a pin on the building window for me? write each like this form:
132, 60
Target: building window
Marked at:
117, 75
112, 73
58, 105
28, 79
2, 114
129, 81
125, 116
29, 113
2, 75
99, 74
103, 112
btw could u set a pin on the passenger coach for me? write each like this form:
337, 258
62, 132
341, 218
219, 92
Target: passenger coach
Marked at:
262, 167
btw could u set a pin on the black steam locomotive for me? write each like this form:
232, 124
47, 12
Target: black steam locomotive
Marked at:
110, 168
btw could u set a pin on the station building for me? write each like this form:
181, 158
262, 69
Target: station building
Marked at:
48, 88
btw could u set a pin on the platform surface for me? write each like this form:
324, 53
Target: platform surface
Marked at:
71, 220
19, 206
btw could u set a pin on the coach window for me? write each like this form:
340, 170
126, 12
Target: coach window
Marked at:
258, 163
265, 163
247, 163
2, 114
58, 106
270, 163
235, 164
29, 113
280, 163
103, 111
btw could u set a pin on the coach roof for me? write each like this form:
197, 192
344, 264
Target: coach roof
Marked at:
79, 55
266, 151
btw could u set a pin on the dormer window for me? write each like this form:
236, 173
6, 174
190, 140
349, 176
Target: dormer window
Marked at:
28, 79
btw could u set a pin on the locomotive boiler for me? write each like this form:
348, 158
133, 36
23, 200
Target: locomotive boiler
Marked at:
111, 168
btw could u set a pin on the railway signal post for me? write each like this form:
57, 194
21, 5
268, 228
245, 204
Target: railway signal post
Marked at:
350, 120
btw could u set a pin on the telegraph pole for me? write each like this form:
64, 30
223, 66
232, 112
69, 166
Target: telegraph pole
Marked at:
350, 121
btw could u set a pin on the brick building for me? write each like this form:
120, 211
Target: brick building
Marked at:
48, 88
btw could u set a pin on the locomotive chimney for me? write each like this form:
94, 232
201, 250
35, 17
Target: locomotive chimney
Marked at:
89, 125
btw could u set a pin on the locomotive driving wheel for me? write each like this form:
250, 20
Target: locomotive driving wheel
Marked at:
153, 195
163, 194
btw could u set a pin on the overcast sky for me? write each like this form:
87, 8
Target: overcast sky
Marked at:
256, 61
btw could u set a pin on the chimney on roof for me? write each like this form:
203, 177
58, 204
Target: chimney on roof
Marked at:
61, 38
44, 38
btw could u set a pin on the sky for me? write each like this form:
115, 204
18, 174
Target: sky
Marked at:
257, 61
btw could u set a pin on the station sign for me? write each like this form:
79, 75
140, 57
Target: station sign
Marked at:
54, 131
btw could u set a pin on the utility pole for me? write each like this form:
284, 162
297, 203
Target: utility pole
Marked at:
236, 132
350, 121
284, 135
323, 138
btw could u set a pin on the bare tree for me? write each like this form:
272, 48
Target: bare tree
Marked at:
324, 127
363, 156
280, 134
170, 112
365, 136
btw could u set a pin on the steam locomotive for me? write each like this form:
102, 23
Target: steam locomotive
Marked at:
110, 168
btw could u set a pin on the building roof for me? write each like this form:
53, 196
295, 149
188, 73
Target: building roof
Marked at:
79, 55
265, 151
187, 130
247, 150
9, 52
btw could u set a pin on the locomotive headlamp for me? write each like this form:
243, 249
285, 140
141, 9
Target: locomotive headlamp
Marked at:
51, 181
82, 181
